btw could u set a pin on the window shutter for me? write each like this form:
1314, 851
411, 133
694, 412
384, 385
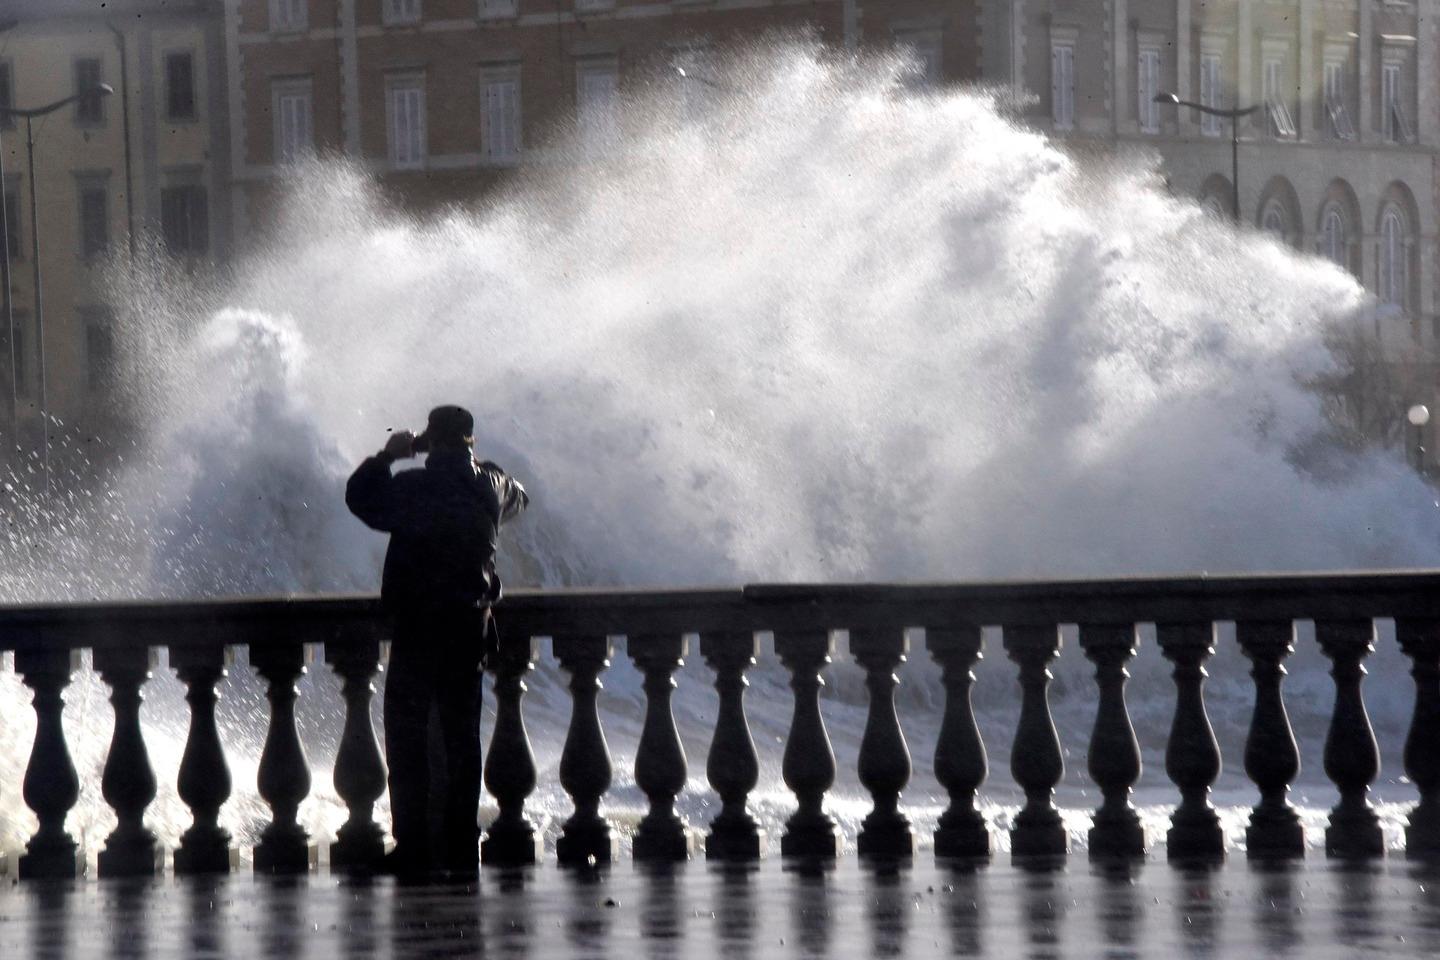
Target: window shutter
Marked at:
1056, 105
1142, 109
402, 126
285, 151
502, 119
1062, 85
510, 110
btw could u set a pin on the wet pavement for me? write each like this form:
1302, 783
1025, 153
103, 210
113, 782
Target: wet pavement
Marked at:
696, 910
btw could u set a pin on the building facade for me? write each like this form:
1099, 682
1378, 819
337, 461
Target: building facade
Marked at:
218, 100
364, 78
111, 171
1339, 157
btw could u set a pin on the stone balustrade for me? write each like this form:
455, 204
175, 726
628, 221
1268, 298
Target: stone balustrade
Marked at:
657, 625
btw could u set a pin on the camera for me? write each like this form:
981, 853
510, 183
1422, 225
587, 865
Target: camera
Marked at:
421, 444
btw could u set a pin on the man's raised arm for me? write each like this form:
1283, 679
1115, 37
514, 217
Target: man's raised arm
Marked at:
369, 492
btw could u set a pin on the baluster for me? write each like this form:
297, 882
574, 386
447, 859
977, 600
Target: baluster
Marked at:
1192, 755
884, 754
359, 766
510, 763
808, 765
660, 769
128, 783
733, 767
284, 774
1272, 758
1352, 758
204, 781
960, 762
1420, 639
1114, 760
51, 786
585, 768
1035, 759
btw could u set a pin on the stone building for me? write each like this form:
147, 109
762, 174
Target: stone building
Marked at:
150, 159
1339, 158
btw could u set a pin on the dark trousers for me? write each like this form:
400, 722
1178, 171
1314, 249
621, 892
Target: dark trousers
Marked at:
435, 673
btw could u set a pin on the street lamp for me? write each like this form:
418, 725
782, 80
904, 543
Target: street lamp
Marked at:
1419, 415
1234, 116
104, 90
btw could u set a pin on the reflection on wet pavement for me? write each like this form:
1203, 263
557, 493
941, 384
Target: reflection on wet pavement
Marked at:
699, 910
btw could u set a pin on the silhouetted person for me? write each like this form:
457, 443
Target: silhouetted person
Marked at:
439, 583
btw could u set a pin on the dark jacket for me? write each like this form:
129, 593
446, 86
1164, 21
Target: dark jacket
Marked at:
443, 520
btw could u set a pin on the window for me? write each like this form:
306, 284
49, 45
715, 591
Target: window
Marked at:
1332, 237
695, 81
1062, 84
597, 103
90, 102
1212, 93
7, 95
923, 47
99, 348
1274, 94
586, 6
289, 15
1394, 274
180, 86
402, 11
1336, 97
500, 116
405, 109
185, 220
1147, 85
293, 111
1273, 220
94, 201
1394, 120
1216, 207
496, 9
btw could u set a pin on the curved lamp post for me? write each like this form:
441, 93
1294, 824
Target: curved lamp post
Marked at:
1419, 415
104, 90
1234, 116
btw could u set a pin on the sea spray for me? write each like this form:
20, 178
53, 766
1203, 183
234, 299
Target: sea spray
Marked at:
826, 328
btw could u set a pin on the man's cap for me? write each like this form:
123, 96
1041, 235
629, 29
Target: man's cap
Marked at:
450, 423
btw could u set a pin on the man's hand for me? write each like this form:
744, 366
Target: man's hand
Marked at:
401, 445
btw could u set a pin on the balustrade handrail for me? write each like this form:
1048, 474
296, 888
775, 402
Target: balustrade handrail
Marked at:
544, 612
656, 622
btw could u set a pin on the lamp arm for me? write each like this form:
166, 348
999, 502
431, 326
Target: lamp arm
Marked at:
103, 89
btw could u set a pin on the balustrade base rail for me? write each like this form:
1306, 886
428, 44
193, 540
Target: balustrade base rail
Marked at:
45, 641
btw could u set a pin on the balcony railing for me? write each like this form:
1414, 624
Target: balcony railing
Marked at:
802, 619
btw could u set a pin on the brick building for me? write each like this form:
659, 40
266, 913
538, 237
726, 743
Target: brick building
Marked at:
372, 79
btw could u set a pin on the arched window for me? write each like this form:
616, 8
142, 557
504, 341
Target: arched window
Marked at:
1332, 236
1394, 273
1273, 221
1215, 207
